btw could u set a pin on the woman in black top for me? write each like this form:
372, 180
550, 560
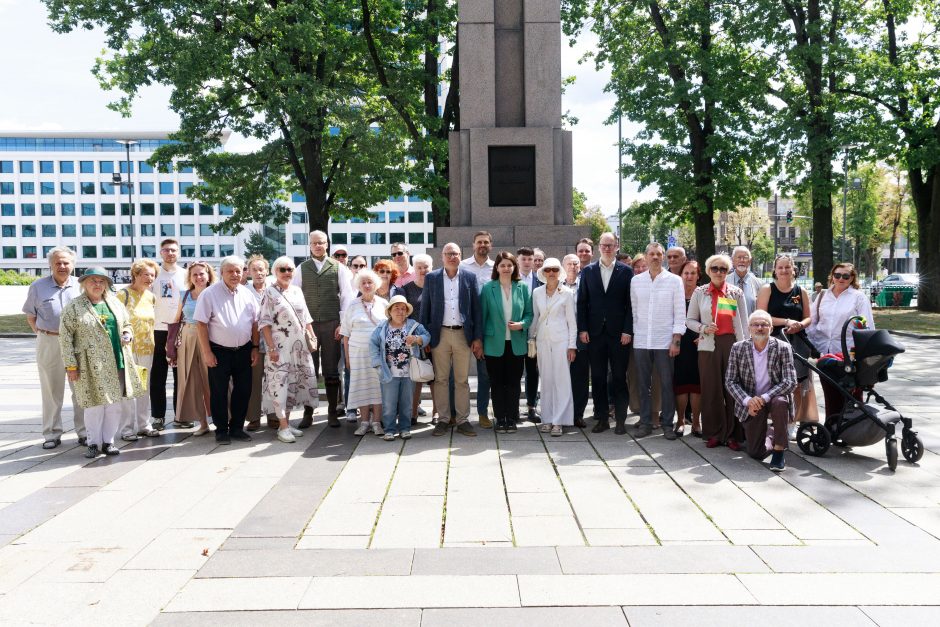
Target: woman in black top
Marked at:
788, 306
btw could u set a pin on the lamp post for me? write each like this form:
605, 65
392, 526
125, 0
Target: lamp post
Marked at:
130, 201
619, 181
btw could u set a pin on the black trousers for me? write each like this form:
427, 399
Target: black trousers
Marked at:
605, 352
158, 375
234, 367
531, 381
580, 371
505, 382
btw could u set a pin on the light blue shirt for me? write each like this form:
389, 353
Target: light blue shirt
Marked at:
46, 300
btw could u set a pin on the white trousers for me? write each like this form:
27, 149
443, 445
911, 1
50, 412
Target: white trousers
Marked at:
557, 401
102, 422
52, 388
136, 411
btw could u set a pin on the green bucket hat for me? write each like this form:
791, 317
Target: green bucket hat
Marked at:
97, 271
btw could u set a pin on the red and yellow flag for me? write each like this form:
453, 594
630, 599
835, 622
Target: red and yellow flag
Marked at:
727, 306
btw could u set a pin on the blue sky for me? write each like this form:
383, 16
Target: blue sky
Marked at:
48, 85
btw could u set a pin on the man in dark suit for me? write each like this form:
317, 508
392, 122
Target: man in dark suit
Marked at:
450, 311
605, 325
761, 377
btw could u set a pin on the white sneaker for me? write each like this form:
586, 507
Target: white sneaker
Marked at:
377, 428
388, 437
295, 431
351, 415
284, 435
363, 428
791, 432
406, 435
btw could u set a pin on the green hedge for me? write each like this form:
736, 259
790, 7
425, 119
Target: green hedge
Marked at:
12, 277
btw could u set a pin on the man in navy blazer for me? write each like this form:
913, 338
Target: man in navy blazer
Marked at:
450, 311
605, 324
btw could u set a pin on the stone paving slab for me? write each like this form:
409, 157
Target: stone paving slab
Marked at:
724, 616
299, 618
212, 595
512, 617
845, 588
414, 591
486, 561
661, 560
306, 563
887, 616
644, 589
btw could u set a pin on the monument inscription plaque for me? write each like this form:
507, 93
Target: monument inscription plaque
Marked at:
512, 176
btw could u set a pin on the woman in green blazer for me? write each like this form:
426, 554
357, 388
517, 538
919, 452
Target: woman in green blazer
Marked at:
507, 314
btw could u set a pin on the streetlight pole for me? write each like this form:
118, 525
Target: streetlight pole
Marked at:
775, 224
130, 200
620, 181
845, 192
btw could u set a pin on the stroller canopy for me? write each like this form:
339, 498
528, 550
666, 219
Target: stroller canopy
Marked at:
875, 342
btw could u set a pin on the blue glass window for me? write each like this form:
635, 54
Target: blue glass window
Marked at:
125, 230
6, 188
88, 188
396, 199
9, 252
28, 209
67, 189
415, 198
107, 208
68, 230
185, 169
207, 251
298, 217
29, 230
48, 230
376, 238
26, 167
147, 209
86, 167
108, 230
396, 217
300, 239
226, 249
6, 167
107, 188
9, 230
46, 187
147, 230
109, 252
296, 197
167, 230
149, 251
225, 210
68, 209
27, 188
106, 167
144, 167
29, 252
206, 210
89, 230
146, 188
67, 167
167, 209
184, 188
124, 165
47, 209
187, 209
166, 188
205, 230
165, 168
46, 167
90, 252
187, 230
7, 210
358, 238
70, 144
88, 209
377, 218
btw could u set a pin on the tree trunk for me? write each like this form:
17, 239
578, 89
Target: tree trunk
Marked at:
705, 234
926, 197
821, 177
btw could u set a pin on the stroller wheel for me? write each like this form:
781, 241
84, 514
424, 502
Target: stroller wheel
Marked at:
891, 448
813, 438
912, 447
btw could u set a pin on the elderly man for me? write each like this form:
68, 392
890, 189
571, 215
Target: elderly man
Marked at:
658, 300
227, 325
743, 278
760, 377
168, 290
675, 259
605, 325
538, 259
450, 311
481, 265
327, 288
43, 308
402, 260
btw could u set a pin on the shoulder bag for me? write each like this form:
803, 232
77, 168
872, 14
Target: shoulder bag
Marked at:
421, 370
173, 337
310, 340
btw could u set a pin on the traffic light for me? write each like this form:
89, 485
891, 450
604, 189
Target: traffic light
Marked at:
789, 217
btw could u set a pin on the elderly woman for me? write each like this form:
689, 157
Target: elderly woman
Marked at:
717, 312
788, 305
388, 272
289, 377
139, 302
95, 336
192, 398
392, 345
554, 329
412, 291
829, 313
360, 319
685, 378
507, 313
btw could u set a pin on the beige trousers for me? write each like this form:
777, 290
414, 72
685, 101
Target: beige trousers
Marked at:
452, 351
52, 387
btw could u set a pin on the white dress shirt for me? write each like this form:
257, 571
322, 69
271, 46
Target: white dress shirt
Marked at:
344, 277
606, 272
483, 271
451, 300
658, 309
830, 312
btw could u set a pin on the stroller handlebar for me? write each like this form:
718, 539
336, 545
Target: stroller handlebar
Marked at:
847, 360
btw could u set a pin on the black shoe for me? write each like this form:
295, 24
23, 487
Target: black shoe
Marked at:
222, 438
340, 410
307, 420
92, 451
241, 436
511, 426
669, 432
82, 441
778, 462
110, 449
621, 428
183, 425
579, 423
601, 426
158, 424
51, 444
534, 416
500, 425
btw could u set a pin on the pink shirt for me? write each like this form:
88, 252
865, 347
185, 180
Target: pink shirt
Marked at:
406, 278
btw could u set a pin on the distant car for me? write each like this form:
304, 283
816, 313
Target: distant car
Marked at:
896, 280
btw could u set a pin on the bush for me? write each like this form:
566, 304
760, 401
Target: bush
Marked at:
12, 277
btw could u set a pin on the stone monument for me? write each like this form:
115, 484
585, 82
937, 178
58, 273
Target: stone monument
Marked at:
510, 162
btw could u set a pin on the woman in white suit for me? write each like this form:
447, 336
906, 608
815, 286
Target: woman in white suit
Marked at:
554, 329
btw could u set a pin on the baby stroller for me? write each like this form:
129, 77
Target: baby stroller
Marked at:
860, 423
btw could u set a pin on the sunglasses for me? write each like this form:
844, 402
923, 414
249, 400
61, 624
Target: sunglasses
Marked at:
845, 276
340, 255
719, 269
285, 269
397, 254
359, 265
383, 272
549, 269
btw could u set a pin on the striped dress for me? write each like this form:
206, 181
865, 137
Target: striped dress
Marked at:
359, 320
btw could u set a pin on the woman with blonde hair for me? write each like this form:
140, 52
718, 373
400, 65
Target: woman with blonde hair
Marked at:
717, 312
139, 302
360, 319
192, 399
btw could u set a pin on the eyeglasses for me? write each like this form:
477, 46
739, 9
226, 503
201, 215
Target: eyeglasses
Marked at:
340, 255
608, 245
169, 250
451, 254
554, 270
359, 265
285, 269
397, 253
845, 276
758, 325
719, 269
318, 243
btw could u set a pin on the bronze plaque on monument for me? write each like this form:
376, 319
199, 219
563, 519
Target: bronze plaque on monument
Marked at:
512, 176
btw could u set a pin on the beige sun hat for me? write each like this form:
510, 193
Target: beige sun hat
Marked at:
398, 299
551, 262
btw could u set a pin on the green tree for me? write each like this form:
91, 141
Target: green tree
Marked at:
258, 244
634, 230
294, 75
578, 202
762, 248
687, 72
594, 217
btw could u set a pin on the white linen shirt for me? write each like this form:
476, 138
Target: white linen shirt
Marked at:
658, 309
344, 277
483, 272
829, 314
451, 300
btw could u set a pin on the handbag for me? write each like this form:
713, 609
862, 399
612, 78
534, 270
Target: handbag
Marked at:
310, 340
173, 336
420, 370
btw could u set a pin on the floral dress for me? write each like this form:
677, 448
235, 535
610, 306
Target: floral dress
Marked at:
291, 381
359, 321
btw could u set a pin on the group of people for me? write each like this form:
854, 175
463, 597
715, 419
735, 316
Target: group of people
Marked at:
644, 332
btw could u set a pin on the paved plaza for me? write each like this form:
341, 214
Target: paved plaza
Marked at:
494, 530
